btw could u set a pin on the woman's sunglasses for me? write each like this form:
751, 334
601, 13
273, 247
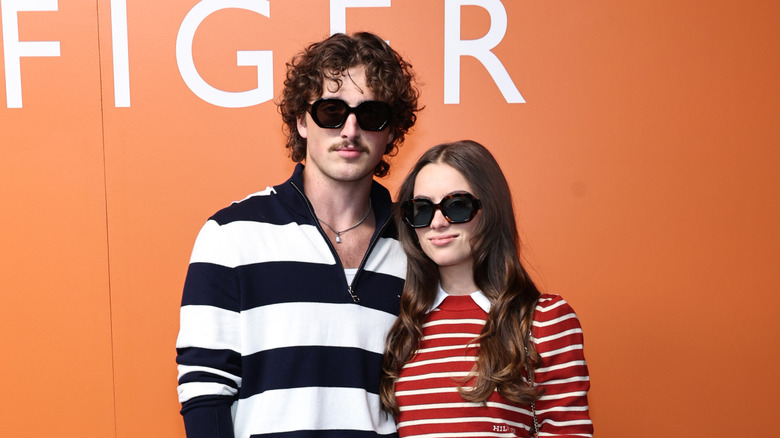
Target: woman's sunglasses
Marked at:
457, 209
372, 115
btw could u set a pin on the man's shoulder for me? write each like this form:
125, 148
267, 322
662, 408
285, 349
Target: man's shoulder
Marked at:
265, 196
266, 205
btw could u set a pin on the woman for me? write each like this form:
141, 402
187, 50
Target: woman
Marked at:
477, 350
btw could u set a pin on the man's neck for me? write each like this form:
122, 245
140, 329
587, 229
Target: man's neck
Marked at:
339, 203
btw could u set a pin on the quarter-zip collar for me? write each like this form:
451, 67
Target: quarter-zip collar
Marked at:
292, 191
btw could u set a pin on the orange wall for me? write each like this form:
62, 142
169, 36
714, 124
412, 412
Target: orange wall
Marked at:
644, 165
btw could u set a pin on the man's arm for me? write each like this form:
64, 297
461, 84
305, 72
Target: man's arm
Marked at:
208, 346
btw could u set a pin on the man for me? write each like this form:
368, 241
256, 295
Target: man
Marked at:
290, 292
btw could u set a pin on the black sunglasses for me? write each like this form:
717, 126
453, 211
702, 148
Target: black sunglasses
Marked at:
372, 115
457, 209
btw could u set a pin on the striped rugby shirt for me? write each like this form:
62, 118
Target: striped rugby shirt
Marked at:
427, 386
271, 343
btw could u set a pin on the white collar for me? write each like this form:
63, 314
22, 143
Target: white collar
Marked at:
482, 301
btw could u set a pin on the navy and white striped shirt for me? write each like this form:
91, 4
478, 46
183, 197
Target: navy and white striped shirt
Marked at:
270, 337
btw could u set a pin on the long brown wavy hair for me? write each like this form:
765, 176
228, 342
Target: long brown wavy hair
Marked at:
506, 352
388, 76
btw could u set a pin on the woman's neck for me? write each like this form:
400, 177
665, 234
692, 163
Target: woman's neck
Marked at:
455, 280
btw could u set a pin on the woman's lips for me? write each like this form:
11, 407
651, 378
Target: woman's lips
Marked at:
442, 240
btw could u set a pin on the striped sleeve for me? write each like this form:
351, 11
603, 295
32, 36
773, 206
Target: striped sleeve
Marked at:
208, 345
563, 375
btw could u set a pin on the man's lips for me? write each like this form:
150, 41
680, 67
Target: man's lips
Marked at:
349, 151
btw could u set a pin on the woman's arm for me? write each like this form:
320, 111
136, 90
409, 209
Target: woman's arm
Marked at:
563, 408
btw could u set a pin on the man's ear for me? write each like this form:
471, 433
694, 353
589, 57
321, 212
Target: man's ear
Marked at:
390, 138
302, 125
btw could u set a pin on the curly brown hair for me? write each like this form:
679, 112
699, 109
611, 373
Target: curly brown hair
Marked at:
388, 76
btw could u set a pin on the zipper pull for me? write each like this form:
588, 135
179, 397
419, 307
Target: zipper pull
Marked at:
352, 294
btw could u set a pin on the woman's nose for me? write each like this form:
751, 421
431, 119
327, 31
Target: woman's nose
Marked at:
439, 221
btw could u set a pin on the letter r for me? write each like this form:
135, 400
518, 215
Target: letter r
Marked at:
480, 48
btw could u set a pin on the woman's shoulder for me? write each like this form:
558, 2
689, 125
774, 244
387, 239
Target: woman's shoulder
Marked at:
554, 319
551, 307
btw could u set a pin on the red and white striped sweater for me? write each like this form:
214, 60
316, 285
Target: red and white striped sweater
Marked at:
427, 389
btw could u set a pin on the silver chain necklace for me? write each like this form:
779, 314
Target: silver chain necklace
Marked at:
339, 233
